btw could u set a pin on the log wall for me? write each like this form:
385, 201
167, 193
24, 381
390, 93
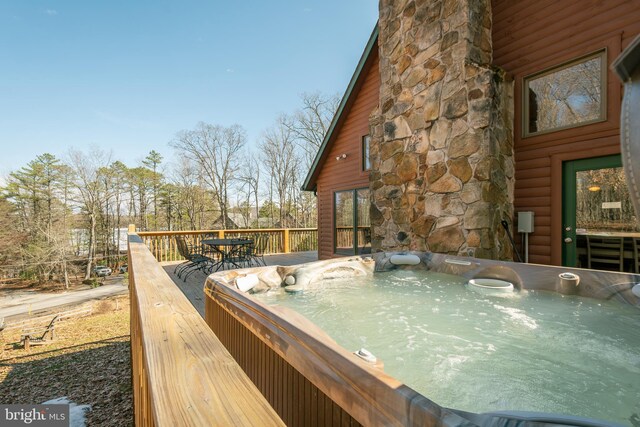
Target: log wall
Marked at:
530, 36
347, 174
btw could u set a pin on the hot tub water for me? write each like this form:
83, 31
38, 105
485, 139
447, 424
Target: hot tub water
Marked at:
534, 351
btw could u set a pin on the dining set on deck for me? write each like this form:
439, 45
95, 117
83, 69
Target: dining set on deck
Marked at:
214, 254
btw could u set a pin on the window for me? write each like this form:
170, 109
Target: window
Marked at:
573, 94
366, 145
603, 202
353, 226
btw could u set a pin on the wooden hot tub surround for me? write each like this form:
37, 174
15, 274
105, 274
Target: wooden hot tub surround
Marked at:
304, 374
310, 380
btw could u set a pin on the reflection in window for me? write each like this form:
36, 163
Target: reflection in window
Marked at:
363, 222
603, 202
353, 226
366, 146
567, 96
344, 222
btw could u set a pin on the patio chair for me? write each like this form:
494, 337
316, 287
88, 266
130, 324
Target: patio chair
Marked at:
240, 256
636, 254
194, 259
257, 249
208, 251
605, 250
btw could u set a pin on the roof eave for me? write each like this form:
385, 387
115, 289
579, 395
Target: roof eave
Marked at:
309, 182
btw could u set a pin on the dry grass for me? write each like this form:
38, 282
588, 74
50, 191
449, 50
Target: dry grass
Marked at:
89, 362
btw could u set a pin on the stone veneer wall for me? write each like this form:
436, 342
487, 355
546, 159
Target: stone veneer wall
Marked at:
442, 138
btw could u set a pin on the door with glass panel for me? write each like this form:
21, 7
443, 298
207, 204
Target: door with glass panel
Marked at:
352, 234
598, 217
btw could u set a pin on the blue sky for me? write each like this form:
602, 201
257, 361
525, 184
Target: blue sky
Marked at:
127, 75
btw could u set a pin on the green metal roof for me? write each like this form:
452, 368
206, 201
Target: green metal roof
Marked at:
309, 182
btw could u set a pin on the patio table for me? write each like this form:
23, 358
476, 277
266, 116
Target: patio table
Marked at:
225, 248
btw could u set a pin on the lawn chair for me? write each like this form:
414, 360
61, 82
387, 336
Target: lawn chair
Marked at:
195, 260
34, 337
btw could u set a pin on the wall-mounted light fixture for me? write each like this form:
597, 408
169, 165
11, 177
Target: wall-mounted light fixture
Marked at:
341, 156
594, 188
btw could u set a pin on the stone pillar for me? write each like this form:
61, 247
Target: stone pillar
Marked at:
442, 137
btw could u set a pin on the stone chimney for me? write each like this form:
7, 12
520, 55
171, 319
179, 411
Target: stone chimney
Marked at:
442, 137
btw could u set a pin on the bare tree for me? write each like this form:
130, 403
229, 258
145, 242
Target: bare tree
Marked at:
152, 161
141, 183
250, 179
88, 192
216, 151
66, 174
279, 157
12, 237
186, 201
309, 124
119, 173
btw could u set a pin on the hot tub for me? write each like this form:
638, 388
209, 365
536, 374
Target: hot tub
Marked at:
562, 344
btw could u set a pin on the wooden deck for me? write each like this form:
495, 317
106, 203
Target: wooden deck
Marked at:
192, 288
182, 374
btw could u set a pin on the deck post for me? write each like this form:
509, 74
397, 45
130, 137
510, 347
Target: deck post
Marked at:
286, 243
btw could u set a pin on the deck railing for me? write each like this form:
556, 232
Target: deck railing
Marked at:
162, 244
182, 374
345, 237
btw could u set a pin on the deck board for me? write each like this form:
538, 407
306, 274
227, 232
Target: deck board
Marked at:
193, 287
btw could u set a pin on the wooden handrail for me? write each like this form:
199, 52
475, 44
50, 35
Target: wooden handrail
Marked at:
163, 244
234, 231
182, 374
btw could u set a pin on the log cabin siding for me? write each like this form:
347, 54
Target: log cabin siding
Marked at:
347, 173
530, 36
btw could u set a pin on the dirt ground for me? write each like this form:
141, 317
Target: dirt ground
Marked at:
89, 362
75, 284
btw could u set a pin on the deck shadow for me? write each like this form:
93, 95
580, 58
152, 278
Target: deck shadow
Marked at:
99, 376
193, 287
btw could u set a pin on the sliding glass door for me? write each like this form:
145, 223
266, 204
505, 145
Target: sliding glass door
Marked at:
352, 224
